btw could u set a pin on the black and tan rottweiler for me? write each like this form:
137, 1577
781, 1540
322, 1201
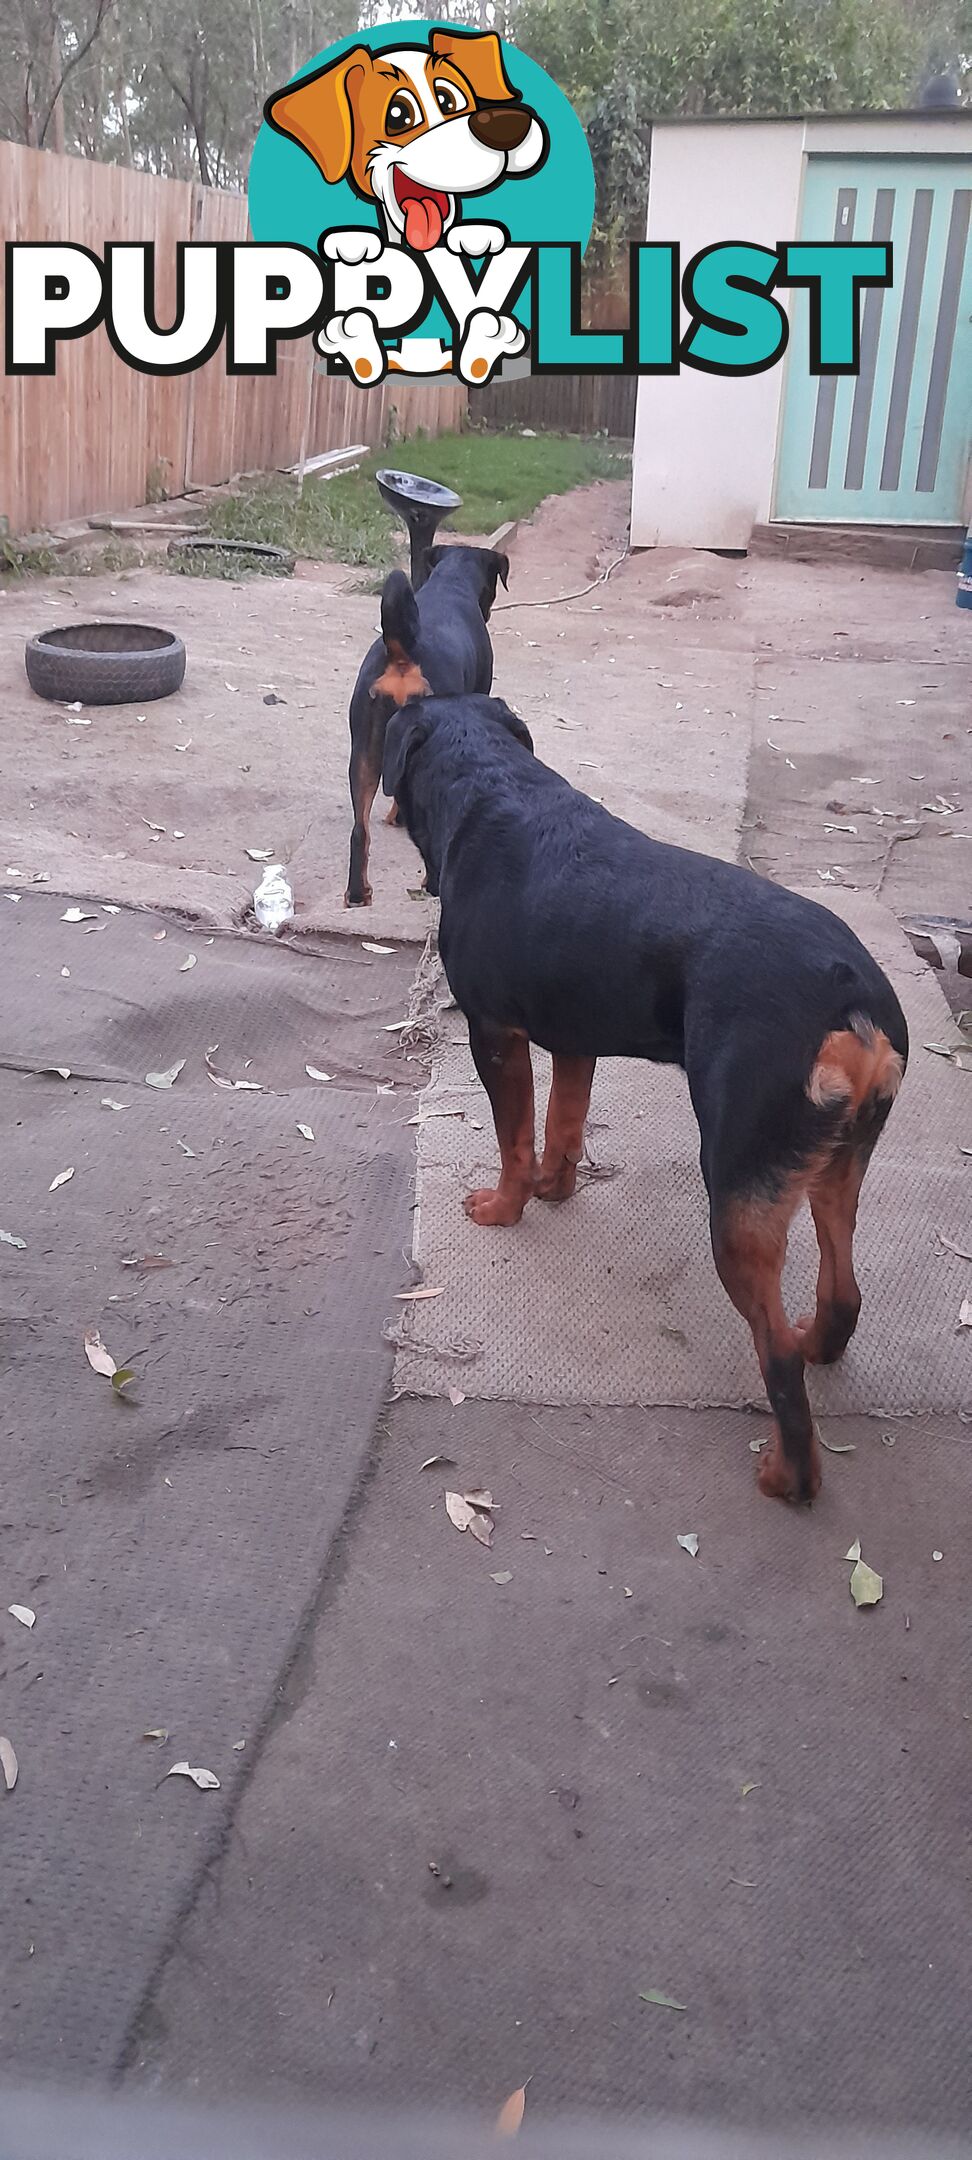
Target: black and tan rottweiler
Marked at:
435, 639
563, 926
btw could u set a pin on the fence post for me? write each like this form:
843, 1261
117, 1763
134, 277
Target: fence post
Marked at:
195, 221
306, 421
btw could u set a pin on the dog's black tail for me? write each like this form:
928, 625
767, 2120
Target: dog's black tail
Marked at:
402, 677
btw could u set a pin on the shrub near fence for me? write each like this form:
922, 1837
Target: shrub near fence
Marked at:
97, 435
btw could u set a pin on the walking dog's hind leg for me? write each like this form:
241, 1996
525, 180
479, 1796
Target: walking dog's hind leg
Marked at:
364, 774
825, 1334
749, 1248
858, 1070
502, 1060
570, 1096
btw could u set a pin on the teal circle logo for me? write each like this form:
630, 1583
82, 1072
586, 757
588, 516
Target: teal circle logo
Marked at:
427, 159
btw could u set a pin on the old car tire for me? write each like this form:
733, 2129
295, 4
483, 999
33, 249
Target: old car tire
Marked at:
106, 663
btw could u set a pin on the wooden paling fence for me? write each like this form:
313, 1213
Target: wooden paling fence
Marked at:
98, 435
569, 404
563, 404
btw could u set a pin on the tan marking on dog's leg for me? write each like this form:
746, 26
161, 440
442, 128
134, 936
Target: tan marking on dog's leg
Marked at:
749, 1248
502, 1059
570, 1096
824, 1335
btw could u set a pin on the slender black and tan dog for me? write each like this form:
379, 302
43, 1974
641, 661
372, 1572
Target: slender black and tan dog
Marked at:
435, 639
565, 927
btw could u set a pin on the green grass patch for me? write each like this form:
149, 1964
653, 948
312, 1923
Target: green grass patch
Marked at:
499, 476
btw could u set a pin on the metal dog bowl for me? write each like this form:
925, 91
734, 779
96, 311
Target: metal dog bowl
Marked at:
421, 505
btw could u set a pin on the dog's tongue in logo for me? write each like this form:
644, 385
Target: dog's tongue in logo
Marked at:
424, 209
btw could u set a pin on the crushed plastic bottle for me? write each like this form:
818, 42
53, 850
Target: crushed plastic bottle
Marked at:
273, 901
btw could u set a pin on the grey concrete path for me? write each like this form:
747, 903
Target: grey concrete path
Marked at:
490, 1813
171, 1542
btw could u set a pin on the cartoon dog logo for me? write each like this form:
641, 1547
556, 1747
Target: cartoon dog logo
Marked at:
415, 129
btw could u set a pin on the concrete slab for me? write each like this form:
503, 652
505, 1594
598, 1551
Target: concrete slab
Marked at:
490, 1813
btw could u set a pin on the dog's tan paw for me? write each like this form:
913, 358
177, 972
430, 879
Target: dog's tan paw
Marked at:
491, 1208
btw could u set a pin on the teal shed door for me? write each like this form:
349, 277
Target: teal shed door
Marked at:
892, 443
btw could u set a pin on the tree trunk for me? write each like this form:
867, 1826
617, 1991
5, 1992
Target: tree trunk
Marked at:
55, 125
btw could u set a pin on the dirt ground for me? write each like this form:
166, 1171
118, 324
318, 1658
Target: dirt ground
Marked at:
477, 1810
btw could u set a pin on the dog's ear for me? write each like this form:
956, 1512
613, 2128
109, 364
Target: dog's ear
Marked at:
434, 555
318, 113
513, 724
406, 733
502, 568
478, 56
494, 566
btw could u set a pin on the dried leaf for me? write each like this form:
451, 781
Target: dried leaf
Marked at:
394, 1027
238, 1746
866, 1587
76, 914
149, 1260
62, 1178
157, 936
368, 945
456, 1396
152, 826
965, 1313
935, 1556
205, 1779
479, 1498
254, 1087
411, 1297
511, 2113
7, 1238
306, 1132
957, 1053
165, 1079
157, 1732
753, 1786
108, 1103
23, 1614
837, 1447
189, 962
481, 1528
438, 1462
260, 854
459, 1511
689, 1542
121, 1379
950, 1246
8, 1763
99, 1359
505, 1575
54, 1072
314, 1073
186, 1150
661, 2002
854, 1551
108, 909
